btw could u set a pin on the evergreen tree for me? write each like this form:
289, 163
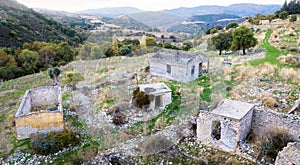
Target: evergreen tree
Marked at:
243, 39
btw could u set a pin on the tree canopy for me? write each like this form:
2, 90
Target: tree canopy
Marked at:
222, 41
243, 39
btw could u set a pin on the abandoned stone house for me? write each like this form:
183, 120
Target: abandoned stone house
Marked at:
226, 125
178, 65
40, 111
160, 94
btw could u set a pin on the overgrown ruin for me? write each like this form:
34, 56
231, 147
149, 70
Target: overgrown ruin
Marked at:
39, 112
226, 125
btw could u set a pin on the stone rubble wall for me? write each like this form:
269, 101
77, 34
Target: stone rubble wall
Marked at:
29, 122
44, 96
264, 120
38, 122
290, 155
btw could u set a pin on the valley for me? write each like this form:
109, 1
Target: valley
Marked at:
114, 57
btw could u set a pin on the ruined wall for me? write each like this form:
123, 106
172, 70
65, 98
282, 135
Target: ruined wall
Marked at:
158, 67
229, 131
245, 124
41, 120
290, 155
44, 96
263, 120
166, 98
38, 122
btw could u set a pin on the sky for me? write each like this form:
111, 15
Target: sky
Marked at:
147, 5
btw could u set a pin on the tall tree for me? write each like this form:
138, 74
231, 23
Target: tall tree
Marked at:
243, 39
222, 41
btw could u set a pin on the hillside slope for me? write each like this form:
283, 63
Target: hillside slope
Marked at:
20, 24
128, 22
111, 11
242, 10
159, 19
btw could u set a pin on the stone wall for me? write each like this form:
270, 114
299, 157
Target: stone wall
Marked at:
38, 122
245, 124
264, 120
290, 155
158, 67
44, 96
29, 122
229, 131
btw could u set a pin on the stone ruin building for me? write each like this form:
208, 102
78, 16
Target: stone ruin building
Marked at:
226, 125
40, 111
160, 94
178, 65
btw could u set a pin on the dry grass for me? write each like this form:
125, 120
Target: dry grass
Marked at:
160, 123
245, 72
270, 102
290, 74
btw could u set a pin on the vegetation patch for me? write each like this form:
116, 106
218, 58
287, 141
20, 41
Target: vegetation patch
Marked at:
53, 142
140, 98
271, 52
207, 91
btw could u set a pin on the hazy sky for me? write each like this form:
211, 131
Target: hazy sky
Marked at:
148, 5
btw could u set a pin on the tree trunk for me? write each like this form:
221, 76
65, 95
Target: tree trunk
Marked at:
56, 80
244, 51
220, 53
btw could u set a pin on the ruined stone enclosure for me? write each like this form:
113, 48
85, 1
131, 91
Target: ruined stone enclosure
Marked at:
226, 125
40, 111
160, 94
178, 65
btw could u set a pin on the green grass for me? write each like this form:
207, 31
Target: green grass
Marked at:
291, 42
207, 91
271, 52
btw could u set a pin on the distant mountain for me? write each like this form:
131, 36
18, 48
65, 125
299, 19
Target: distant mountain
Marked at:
208, 18
128, 22
111, 12
66, 18
242, 10
20, 24
159, 19
198, 23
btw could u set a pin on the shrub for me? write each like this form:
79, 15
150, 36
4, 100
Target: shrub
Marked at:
53, 142
119, 118
270, 102
140, 98
293, 18
274, 141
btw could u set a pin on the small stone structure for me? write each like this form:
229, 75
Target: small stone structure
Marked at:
40, 111
226, 125
178, 65
290, 155
160, 94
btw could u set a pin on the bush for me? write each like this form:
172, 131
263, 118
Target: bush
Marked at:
119, 118
274, 141
293, 18
140, 98
53, 142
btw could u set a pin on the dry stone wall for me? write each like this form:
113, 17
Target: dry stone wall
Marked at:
30, 122
264, 120
290, 155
